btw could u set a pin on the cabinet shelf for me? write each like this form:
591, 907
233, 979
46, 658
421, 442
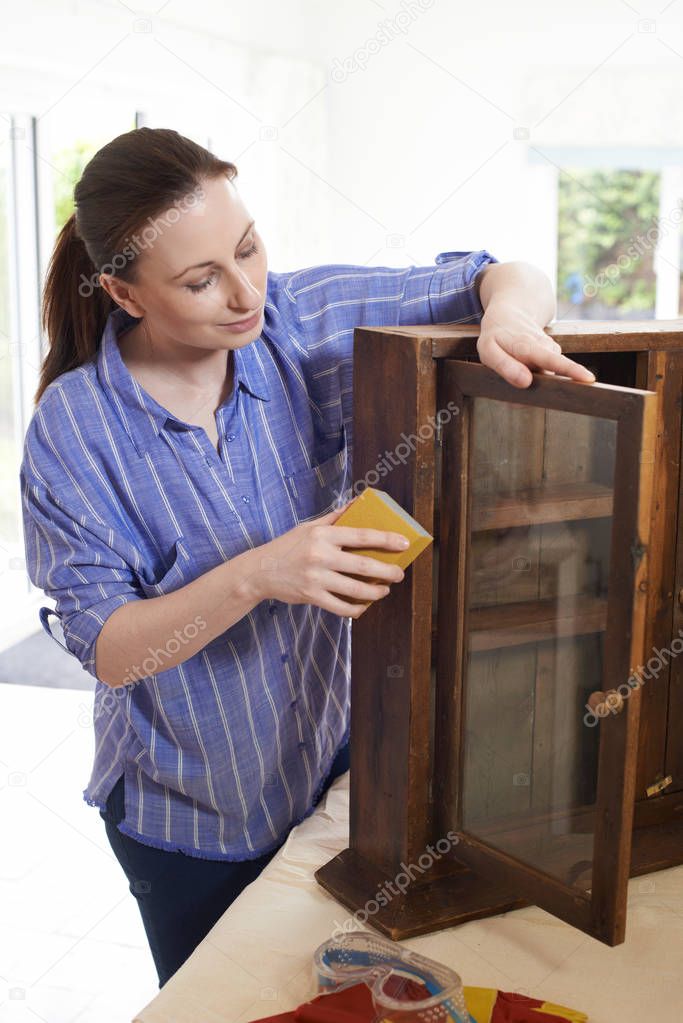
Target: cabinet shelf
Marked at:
551, 503
505, 625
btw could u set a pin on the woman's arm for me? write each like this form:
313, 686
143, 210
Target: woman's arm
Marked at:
518, 301
308, 564
143, 629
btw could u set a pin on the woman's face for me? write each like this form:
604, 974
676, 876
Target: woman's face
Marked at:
186, 303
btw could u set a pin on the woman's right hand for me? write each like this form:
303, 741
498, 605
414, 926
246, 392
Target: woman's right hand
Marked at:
307, 565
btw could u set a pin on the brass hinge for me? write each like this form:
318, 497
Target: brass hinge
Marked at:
659, 785
637, 551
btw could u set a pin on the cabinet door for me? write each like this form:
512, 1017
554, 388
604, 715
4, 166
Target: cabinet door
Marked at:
543, 534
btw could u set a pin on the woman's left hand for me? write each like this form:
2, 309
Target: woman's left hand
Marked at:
512, 344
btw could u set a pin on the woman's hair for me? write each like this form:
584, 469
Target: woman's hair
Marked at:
130, 181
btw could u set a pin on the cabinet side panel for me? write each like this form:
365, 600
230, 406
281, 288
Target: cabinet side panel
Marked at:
662, 372
394, 405
673, 630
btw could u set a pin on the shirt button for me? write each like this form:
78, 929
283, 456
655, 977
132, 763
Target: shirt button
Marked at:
302, 745
284, 657
231, 436
245, 498
272, 610
293, 703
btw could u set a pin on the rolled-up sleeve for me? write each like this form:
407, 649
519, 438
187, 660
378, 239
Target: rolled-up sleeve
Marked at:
329, 301
453, 293
75, 561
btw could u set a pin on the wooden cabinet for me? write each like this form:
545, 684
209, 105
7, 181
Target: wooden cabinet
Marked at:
517, 701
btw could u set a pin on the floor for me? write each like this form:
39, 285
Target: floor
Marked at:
38, 660
72, 945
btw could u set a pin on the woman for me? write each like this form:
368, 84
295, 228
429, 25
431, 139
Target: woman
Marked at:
187, 457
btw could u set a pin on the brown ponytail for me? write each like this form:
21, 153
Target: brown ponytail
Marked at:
134, 177
73, 323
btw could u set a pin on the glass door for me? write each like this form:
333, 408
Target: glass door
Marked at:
544, 523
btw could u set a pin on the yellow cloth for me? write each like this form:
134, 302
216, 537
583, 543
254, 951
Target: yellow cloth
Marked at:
488, 1005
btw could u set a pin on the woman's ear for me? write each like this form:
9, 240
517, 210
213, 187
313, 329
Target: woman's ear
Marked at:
122, 294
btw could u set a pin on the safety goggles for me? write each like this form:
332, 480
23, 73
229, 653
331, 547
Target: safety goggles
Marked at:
406, 987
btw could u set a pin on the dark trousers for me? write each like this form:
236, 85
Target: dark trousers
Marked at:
181, 897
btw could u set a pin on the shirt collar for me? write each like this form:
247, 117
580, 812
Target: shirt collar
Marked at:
142, 416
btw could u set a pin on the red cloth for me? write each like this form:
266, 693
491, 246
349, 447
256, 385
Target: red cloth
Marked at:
353, 1005
511, 1007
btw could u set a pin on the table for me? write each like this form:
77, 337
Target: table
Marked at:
256, 960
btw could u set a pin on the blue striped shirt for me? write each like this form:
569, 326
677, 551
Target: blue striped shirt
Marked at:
122, 501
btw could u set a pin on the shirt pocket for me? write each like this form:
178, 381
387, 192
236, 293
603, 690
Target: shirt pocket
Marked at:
170, 574
321, 487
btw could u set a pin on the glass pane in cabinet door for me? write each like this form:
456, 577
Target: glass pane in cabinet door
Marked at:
536, 601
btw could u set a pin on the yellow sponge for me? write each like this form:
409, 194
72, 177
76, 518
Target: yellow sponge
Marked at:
375, 509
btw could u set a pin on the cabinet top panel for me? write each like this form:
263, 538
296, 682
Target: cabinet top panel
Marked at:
457, 339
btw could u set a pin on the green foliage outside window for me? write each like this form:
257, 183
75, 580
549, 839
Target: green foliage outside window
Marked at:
69, 164
607, 234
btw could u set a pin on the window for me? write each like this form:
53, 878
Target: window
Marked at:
38, 171
608, 232
10, 525
70, 146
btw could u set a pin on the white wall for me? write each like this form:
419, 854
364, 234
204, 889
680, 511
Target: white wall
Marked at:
412, 154
427, 130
